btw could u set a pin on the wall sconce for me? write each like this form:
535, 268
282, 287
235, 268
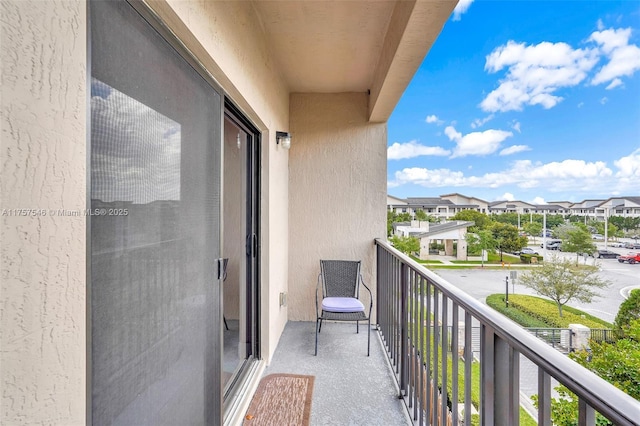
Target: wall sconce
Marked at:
283, 139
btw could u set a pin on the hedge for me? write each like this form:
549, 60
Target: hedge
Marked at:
547, 312
496, 301
526, 258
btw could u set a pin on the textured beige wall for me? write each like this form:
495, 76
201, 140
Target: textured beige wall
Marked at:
337, 190
43, 289
227, 39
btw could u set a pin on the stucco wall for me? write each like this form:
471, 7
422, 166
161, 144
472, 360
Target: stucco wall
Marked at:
42, 314
337, 190
44, 157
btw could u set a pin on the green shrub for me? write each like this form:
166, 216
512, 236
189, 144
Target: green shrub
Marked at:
532, 311
526, 258
547, 311
629, 310
496, 301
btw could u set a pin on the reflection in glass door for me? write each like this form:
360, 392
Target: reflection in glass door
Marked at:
240, 246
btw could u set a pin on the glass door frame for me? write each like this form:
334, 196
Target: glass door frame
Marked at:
252, 198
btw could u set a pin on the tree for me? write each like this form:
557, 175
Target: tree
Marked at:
532, 228
510, 218
407, 245
561, 281
577, 241
554, 220
480, 220
393, 217
421, 216
628, 311
615, 362
507, 238
479, 241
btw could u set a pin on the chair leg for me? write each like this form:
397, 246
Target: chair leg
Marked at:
319, 328
318, 325
225, 322
357, 327
369, 337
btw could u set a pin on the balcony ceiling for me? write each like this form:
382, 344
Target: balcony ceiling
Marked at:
352, 46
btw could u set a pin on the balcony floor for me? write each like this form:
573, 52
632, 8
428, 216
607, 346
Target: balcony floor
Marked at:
350, 388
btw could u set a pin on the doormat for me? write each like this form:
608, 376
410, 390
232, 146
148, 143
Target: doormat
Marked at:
281, 399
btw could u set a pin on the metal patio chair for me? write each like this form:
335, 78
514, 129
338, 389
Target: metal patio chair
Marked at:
339, 282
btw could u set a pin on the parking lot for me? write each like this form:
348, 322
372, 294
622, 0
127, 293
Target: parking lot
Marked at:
622, 277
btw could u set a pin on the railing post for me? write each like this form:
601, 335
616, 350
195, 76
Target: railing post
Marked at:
586, 414
403, 356
487, 375
507, 383
544, 398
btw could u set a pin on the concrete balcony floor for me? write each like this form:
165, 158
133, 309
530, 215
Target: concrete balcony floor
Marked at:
350, 388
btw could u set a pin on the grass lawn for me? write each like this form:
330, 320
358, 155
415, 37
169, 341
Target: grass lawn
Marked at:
525, 417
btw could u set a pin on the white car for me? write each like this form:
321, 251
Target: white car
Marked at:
528, 250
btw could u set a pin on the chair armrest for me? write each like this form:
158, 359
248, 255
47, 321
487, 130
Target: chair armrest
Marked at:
370, 294
317, 288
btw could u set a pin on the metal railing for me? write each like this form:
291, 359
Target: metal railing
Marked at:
420, 315
559, 338
605, 335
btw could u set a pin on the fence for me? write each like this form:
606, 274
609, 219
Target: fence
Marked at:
418, 313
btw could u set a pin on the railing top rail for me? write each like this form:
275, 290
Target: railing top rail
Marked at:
596, 391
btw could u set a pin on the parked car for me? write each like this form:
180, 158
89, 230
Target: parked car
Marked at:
632, 246
552, 244
630, 258
527, 250
616, 244
607, 254
597, 237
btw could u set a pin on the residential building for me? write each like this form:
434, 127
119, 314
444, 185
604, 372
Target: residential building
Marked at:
447, 233
446, 206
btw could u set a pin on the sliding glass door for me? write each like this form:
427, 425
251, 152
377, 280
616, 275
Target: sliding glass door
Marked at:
240, 247
155, 170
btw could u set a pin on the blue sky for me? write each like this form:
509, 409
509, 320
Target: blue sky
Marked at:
524, 100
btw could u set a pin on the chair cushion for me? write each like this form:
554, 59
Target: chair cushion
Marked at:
342, 304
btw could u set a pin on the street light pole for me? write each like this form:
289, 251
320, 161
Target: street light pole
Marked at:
606, 216
506, 291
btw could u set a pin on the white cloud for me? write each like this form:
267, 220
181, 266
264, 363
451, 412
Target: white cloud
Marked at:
535, 73
514, 149
629, 166
624, 58
412, 149
461, 8
433, 119
604, 100
476, 143
538, 201
516, 126
600, 25
507, 196
567, 175
614, 83
478, 122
